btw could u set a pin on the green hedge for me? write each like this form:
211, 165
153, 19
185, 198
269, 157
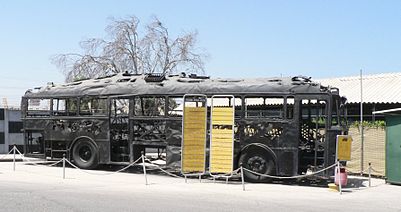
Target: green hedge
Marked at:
370, 124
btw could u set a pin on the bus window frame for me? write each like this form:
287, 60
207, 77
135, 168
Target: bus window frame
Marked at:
105, 110
319, 97
284, 111
67, 112
38, 113
134, 109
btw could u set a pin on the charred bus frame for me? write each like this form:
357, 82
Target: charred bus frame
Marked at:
283, 126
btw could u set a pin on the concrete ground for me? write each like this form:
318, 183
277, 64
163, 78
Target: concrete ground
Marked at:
41, 188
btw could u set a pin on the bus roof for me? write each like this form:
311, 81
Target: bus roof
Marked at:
129, 85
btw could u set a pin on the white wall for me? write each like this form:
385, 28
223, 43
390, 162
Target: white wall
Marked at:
14, 115
10, 138
3, 148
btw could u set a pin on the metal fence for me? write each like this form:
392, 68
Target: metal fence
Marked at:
373, 151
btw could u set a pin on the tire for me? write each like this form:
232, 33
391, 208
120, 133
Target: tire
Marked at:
85, 154
258, 160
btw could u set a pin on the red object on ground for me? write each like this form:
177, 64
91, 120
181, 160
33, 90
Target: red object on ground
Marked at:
343, 176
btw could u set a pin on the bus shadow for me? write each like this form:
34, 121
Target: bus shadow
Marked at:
352, 183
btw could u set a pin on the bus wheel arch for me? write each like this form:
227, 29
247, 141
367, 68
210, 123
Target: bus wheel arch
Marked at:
258, 158
85, 152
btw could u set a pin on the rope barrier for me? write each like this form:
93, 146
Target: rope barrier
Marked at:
146, 161
364, 171
356, 173
292, 177
31, 162
16, 149
166, 172
177, 176
38, 164
4, 156
375, 170
87, 172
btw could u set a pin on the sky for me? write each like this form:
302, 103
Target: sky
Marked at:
321, 39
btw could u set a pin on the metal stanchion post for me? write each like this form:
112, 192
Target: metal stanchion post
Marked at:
339, 177
200, 178
226, 180
14, 158
370, 172
242, 179
144, 169
185, 176
63, 166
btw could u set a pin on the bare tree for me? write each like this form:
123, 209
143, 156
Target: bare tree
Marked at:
133, 49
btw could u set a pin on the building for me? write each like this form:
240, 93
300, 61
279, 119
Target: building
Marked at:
380, 92
10, 130
393, 142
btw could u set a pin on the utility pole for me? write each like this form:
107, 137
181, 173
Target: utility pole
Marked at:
361, 125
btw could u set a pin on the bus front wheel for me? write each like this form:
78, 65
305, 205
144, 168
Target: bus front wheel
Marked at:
84, 154
257, 160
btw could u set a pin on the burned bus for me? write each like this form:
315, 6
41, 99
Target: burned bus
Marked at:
282, 126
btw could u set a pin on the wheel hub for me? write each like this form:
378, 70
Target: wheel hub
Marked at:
257, 164
85, 153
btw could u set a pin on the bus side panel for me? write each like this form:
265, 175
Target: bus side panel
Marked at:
60, 133
279, 136
30, 124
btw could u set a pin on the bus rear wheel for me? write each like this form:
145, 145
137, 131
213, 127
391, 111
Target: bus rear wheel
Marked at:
84, 154
257, 160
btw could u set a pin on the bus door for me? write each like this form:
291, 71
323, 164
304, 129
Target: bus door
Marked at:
34, 143
313, 128
194, 134
222, 135
36, 114
119, 130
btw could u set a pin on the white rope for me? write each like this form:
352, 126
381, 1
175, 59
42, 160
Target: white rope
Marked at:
371, 168
158, 167
9, 153
19, 152
39, 163
123, 169
351, 172
226, 175
364, 171
177, 176
171, 174
31, 162
292, 177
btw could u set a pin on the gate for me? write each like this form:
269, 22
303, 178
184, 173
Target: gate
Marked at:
194, 131
221, 135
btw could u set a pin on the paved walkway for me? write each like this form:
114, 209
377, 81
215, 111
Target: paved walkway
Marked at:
40, 188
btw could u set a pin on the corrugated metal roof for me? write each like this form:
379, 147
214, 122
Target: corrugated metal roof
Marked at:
377, 88
395, 111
